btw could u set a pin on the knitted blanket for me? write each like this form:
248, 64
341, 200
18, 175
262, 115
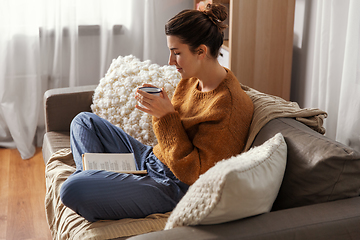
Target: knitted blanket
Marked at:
268, 107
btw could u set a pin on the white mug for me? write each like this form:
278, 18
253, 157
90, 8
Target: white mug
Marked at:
152, 90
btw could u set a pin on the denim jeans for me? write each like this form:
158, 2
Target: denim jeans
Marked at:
98, 195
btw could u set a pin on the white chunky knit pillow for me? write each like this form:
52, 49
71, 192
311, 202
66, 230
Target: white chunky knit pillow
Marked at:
114, 96
239, 187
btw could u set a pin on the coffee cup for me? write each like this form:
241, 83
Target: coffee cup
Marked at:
152, 90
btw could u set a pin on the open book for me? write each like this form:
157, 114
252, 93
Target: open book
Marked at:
115, 162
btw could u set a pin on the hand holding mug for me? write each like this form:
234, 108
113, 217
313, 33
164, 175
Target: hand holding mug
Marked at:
153, 100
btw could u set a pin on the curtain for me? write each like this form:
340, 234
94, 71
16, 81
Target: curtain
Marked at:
348, 127
48, 44
326, 64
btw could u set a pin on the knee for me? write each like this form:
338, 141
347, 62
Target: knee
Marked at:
82, 119
74, 194
70, 193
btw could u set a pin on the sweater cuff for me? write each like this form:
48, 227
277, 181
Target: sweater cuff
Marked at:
168, 128
166, 119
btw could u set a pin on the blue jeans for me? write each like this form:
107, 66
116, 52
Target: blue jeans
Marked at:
97, 195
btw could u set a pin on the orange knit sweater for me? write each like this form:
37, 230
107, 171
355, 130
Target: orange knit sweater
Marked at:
205, 128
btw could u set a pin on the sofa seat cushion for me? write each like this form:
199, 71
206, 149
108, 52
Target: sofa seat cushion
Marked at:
235, 188
318, 169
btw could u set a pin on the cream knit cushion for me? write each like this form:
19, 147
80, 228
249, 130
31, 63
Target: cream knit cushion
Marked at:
242, 186
114, 96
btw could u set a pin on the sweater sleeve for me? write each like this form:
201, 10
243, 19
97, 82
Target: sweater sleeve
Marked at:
175, 149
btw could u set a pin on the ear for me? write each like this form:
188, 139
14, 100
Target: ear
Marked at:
202, 51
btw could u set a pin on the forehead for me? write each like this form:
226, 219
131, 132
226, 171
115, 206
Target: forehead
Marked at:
174, 42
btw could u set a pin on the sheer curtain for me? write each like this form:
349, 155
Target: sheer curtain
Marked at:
348, 127
326, 66
48, 44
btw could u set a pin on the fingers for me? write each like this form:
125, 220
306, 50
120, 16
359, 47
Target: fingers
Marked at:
144, 109
164, 94
143, 97
145, 104
146, 100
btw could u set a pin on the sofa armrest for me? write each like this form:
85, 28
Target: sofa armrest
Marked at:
63, 104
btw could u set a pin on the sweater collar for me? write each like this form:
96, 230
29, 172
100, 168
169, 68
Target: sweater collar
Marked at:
201, 94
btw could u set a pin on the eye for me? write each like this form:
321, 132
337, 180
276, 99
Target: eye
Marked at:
176, 53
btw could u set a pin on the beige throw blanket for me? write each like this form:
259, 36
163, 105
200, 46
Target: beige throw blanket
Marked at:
66, 224
268, 107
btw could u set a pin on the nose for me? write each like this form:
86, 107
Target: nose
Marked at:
172, 60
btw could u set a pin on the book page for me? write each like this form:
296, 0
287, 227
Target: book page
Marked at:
117, 162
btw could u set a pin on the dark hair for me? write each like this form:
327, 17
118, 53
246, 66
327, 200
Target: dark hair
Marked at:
195, 27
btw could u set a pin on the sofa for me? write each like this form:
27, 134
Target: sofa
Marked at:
318, 197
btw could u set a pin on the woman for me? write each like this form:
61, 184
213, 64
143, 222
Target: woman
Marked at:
206, 121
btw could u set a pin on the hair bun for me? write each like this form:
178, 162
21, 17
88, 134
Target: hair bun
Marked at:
217, 14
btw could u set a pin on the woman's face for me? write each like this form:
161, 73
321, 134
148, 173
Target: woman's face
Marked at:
186, 62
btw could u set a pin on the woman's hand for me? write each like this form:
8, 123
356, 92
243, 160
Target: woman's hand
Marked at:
157, 106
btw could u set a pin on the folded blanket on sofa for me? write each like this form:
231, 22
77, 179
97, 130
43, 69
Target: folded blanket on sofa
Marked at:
268, 107
66, 224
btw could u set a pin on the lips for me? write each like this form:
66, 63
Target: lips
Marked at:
179, 69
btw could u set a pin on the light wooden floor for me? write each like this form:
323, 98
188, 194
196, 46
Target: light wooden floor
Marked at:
22, 193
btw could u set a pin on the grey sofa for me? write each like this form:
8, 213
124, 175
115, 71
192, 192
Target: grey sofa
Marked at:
318, 199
